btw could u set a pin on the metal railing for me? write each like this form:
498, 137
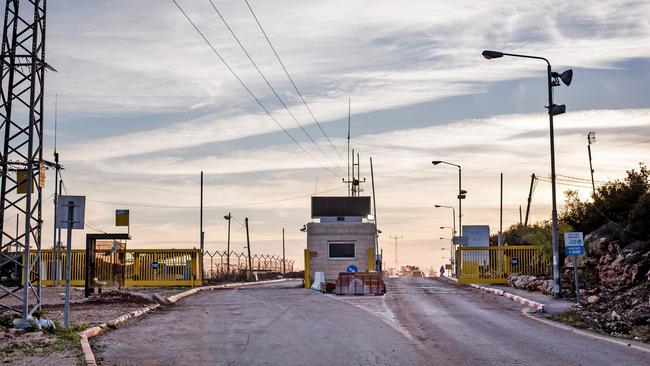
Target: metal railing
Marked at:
132, 267
495, 264
215, 263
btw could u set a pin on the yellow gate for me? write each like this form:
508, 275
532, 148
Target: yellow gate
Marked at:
142, 267
495, 264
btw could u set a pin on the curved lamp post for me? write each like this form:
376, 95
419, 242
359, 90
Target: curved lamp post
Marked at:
553, 80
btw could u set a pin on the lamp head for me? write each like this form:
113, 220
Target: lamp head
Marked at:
492, 54
436, 162
438, 206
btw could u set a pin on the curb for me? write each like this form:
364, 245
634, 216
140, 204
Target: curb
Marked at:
89, 356
537, 306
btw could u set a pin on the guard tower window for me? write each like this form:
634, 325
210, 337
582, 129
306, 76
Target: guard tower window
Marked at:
342, 250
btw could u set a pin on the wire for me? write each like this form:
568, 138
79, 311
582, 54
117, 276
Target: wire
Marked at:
214, 50
250, 58
148, 205
277, 56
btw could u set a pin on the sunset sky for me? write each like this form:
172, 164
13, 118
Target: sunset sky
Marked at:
144, 105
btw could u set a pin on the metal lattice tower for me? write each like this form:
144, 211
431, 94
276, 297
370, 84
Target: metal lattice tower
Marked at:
23, 70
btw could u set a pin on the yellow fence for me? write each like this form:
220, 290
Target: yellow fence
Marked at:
133, 267
495, 264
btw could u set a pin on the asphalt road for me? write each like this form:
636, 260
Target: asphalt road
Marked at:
419, 322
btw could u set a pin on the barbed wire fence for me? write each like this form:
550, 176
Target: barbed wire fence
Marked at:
215, 263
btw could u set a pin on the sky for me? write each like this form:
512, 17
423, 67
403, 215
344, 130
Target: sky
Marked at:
143, 105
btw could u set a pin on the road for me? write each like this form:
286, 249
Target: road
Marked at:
420, 321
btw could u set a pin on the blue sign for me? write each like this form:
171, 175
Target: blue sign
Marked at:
154, 265
574, 250
352, 269
514, 261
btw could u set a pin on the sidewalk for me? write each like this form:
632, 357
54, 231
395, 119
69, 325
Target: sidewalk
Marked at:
551, 305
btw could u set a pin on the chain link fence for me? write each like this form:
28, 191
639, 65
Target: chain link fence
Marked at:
216, 264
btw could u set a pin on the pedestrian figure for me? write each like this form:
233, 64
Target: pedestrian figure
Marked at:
442, 271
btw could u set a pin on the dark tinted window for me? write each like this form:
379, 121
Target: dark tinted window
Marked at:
341, 250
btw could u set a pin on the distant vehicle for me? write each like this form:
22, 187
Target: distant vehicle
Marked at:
417, 273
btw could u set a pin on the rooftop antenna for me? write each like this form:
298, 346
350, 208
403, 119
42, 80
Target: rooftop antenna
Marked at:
349, 187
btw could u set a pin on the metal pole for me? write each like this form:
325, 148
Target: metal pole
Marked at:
201, 233
460, 207
575, 274
556, 259
248, 246
374, 209
228, 245
284, 258
58, 240
55, 250
501, 214
68, 265
349, 187
530, 198
591, 168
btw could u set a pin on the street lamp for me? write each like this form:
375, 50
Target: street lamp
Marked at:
553, 80
228, 217
461, 194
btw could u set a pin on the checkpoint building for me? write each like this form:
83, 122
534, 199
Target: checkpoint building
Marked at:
340, 237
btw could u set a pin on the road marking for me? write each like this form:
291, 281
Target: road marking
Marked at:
624, 343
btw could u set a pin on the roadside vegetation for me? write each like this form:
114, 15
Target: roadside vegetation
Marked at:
615, 270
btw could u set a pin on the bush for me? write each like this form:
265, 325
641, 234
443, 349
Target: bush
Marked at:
612, 202
638, 227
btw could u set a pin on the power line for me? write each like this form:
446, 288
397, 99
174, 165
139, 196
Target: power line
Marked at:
277, 56
214, 50
268, 83
147, 205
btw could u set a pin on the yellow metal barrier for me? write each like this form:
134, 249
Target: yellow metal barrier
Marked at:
495, 264
162, 267
142, 267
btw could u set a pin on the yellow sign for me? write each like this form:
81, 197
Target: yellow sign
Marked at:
121, 217
22, 176
41, 175
448, 266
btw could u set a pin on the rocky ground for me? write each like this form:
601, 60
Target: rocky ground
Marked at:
61, 346
615, 286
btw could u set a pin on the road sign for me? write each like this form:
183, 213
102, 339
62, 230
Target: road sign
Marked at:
514, 261
154, 265
476, 235
574, 243
352, 268
78, 211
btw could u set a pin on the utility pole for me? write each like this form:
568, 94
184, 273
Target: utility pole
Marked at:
501, 214
396, 254
248, 246
520, 218
591, 138
201, 232
68, 264
533, 179
284, 258
374, 211
228, 217
55, 249
58, 235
